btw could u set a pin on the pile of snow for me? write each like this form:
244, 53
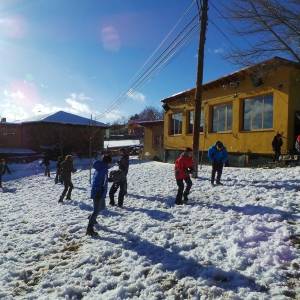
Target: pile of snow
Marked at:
121, 143
229, 242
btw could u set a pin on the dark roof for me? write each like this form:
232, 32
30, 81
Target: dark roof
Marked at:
63, 117
236, 75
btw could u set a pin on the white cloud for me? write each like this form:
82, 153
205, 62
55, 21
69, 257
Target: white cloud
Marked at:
112, 116
135, 95
218, 50
75, 101
12, 27
16, 105
12, 107
110, 38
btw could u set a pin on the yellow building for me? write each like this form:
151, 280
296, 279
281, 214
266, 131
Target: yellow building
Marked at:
153, 139
244, 110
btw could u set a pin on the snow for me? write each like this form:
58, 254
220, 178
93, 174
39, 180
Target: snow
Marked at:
121, 143
229, 242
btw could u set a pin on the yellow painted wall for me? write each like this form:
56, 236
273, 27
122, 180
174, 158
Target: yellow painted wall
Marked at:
279, 82
149, 133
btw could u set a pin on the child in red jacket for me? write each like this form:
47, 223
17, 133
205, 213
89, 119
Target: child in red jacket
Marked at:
183, 168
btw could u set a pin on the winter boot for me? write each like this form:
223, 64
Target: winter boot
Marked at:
90, 231
185, 199
60, 200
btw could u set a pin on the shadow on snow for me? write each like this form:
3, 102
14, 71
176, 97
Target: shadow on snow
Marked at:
184, 266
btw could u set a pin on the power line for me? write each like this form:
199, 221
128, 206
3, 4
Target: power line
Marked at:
224, 34
165, 38
226, 19
180, 40
155, 64
171, 50
165, 60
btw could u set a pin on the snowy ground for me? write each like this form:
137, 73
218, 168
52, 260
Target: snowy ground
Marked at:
237, 241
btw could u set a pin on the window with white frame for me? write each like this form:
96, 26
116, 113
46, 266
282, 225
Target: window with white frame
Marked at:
190, 119
175, 124
258, 113
222, 118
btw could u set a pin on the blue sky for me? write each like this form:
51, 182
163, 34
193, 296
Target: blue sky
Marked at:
78, 56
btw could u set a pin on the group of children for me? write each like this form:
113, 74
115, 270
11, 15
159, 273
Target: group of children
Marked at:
65, 168
183, 168
100, 186
218, 156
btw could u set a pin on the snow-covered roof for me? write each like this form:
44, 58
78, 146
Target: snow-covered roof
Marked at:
63, 117
121, 143
16, 151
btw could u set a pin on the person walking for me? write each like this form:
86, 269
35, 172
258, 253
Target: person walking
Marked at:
276, 145
58, 177
218, 155
66, 170
98, 191
120, 180
46, 163
3, 169
183, 169
297, 144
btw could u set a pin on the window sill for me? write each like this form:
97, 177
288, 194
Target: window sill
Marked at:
257, 130
220, 132
174, 135
191, 134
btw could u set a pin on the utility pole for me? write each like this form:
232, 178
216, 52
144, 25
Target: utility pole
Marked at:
198, 96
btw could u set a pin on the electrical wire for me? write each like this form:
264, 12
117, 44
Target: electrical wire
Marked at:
177, 43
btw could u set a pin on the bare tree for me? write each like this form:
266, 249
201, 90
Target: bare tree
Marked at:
150, 113
273, 24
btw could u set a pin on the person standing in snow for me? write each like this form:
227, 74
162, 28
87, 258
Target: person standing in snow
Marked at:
121, 181
3, 169
218, 155
66, 170
58, 177
183, 169
99, 190
297, 144
46, 163
276, 145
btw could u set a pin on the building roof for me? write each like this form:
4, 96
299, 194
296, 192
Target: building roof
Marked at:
63, 117
237, 75
121, 143
150, 123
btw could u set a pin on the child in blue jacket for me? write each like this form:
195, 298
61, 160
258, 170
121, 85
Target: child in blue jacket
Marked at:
99, 190
217, 154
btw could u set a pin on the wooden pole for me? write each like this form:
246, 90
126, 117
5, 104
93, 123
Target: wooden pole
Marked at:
198, 95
